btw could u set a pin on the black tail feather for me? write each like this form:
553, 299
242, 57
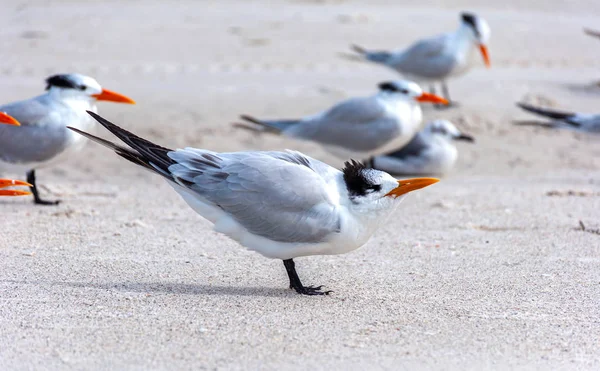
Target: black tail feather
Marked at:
148, 152
557, 115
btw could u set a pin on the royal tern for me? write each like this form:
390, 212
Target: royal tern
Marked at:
13, 192
43, 139
564, 120
8, 120
438, 58
360, 127
431, 151
282, 205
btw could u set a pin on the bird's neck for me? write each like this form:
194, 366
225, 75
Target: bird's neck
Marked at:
462, 39
364, 221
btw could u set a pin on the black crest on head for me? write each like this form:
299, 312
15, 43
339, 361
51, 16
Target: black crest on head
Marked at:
355, 178
471, 20
63, 81
388, 86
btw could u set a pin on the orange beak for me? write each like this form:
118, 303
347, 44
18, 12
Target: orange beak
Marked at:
408, 185
111, 96
485, 55
431, 98
13, 192
9, 120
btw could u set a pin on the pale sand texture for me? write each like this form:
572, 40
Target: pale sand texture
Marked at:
486, 270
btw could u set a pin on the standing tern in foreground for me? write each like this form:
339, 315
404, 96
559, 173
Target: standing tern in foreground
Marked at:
43, 138
564, 120
431, 151
438, 58
361, 127
282, 205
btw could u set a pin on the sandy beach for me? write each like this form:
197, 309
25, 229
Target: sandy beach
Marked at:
489, 269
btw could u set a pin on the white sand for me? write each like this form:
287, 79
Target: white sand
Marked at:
486, 270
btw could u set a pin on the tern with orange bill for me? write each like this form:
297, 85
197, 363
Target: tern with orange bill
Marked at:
283, 205
359, 127
437, 59
43, 139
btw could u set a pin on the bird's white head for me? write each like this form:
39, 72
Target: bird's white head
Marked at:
479, 32
371, 190
446, 130
409, 91
76, 86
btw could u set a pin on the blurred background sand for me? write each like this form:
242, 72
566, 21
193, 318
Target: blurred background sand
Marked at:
490, 269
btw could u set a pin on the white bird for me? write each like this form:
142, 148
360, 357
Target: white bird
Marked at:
13, 192
564, 120
43, 138
282, 205
360, 127
431, 151
438, 58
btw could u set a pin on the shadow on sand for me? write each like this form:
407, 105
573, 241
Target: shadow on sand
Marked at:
168, 288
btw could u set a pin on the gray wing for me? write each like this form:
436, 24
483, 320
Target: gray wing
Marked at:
359, 124
276, 195
32, 141
414, 148
427, 58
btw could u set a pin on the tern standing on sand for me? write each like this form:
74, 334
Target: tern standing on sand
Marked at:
281, 204
431, 151
43, 138
360, 127
439, 58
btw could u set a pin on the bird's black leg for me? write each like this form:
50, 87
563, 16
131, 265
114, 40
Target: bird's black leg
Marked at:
432, 91
36, 196
295, 283
446, 93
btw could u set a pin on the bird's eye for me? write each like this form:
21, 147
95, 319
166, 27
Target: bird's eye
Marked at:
375, 188
404, 91
81, 87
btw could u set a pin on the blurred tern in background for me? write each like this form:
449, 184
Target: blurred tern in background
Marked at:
431, 151
563, 120
439, 58
282, 205
13, 192
359, 127
43, 138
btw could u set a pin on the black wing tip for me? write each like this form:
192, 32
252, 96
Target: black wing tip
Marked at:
94, 115
250, 118
524, 105
357, 48
74, 129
